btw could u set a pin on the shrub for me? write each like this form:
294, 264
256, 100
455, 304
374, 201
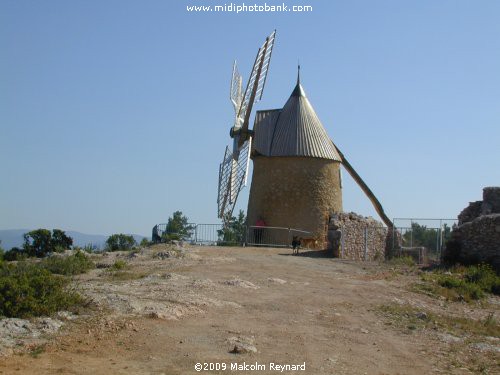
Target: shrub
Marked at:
463, 283
145, 242
28, 290
71, 265
15, 254
402, 261
484, 276
463, 289
120, 241
119, 265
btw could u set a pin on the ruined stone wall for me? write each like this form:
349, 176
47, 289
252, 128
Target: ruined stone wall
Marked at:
489, 205
470, 212
491, 201
479, 241
477, 237
295, 192
351, 236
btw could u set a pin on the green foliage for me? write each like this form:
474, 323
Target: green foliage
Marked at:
89, 248
2, 251
120, 241
233, 232
119, 265
402, 261
40, 242
14, 254
466, 291
145, 242
178, 227
483, 276
28, 290
461, 283
412, 318
71, 265
420, 235
60, 240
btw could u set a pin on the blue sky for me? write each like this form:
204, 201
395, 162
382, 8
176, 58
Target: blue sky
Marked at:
114, 114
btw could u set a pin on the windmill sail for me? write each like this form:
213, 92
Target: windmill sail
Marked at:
232, 177
233, 170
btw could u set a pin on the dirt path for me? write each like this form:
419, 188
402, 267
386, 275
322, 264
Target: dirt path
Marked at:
178, 312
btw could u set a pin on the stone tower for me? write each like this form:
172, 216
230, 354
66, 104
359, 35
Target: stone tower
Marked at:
296, 180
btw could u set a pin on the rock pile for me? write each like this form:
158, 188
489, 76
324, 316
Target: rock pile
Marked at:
476, 239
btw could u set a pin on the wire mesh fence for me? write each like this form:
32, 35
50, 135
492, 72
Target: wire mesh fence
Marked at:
422, 239
219, 235
273, 236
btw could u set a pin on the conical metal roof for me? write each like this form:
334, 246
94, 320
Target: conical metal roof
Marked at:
299, 132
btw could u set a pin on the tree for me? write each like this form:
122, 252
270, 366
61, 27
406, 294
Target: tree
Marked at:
38, 243
233, 232
178, 227
420, 235
41, 242
120, 241
60, 241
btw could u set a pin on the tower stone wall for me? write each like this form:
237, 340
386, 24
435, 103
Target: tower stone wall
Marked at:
295, 192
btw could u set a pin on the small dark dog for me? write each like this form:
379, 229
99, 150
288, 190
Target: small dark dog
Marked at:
296, 245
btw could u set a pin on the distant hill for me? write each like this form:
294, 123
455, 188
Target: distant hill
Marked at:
14, 238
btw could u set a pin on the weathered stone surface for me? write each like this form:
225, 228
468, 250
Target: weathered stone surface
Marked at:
477, 237
491, 201
355, 237
469, 213
295, 192
480, 241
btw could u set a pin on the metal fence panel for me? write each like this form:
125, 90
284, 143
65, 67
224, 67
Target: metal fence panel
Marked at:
273, 236
422, 239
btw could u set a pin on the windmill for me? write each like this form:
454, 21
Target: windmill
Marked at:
233, 170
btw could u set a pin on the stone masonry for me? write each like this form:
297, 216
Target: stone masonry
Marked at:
295, 192
351, 236
476, 239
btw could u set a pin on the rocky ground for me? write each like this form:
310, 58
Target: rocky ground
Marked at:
164, 309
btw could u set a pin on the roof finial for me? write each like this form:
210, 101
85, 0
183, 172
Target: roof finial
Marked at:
298, 72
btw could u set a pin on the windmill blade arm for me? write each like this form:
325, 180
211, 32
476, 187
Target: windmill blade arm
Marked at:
232, 179
373, 199
256, 83
235, 89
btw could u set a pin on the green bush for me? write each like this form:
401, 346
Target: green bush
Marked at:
119, 265
71, 265
483, 276
27, 290
402, 261
145, 242
468, 283
15, 254
463, 289
120, 241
